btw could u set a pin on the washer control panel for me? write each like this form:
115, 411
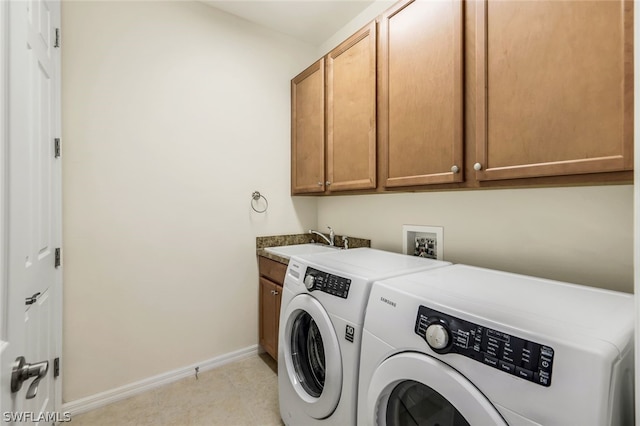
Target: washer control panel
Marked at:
519, 357
326, 282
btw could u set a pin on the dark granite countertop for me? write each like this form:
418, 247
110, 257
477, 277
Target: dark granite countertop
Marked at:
292, 239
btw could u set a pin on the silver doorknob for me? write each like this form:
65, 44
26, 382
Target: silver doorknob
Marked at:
477, 167
455, 169
23, 371
31, 300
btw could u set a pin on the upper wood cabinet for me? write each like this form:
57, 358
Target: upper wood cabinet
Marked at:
351, 113
307, 130
348, 135
470, 94
558, 88
420, 93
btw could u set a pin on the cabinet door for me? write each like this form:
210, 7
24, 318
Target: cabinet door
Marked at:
420, 88
270, 296
558, 88
272, 270
351, 112
307, 130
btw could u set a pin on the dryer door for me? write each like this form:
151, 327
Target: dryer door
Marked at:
416, 389
312, 356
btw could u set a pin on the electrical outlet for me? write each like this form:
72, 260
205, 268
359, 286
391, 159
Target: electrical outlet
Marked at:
423, 241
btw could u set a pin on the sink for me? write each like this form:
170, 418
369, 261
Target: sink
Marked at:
296, 249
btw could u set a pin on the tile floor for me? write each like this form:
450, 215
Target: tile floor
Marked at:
237, 394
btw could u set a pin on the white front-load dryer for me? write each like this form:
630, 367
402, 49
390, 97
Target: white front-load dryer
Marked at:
468, 346
323, 305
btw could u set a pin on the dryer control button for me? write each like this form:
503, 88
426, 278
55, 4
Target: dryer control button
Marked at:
437, 336
543, 378
524, 373
489, 360
508, 367
309, 281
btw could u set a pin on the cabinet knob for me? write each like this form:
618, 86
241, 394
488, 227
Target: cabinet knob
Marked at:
455, 169
319, 183
274, 292
327, 183
477, 167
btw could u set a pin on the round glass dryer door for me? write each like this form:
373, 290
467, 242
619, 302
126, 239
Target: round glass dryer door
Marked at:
307, 353
410, 389
312, 356
412, 403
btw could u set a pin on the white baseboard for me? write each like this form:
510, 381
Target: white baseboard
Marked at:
108, 397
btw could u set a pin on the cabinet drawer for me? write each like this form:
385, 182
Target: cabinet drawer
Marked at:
271, 269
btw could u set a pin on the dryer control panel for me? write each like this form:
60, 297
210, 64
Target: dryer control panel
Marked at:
519, 357
326, 282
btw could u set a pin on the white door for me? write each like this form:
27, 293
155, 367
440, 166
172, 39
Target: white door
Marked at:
30, 320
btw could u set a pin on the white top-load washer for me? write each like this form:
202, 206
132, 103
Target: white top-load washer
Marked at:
468, 346
323, 305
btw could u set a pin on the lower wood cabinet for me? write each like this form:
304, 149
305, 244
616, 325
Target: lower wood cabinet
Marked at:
271, 281
270, 297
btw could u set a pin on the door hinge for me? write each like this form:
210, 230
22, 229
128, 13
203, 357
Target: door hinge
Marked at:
57, 40
56, 367
57, 148
57, 255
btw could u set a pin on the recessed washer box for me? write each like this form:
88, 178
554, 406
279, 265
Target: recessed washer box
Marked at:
424, 241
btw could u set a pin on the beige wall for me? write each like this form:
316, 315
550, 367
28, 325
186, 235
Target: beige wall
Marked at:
376, 9
173, 113
582, 235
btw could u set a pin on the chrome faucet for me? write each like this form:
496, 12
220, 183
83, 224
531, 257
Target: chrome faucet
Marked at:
329, 240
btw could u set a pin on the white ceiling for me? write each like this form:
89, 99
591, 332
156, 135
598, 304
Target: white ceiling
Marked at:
313, 21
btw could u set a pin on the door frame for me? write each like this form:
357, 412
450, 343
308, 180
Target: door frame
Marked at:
12, 302
4, 205
4, 81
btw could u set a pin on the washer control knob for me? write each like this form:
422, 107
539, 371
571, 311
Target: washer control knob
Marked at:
309, 281
437, 336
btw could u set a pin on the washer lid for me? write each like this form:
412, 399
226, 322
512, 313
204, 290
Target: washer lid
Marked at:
312, 356
437, 394
368, 263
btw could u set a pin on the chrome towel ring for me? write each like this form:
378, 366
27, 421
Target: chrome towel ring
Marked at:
255, 197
